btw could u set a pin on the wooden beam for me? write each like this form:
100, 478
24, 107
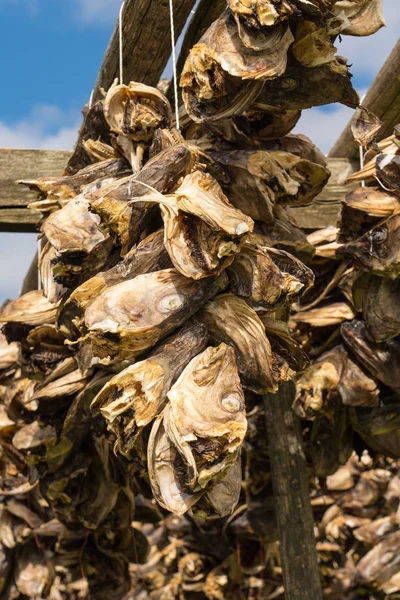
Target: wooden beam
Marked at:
206, 13
29, 164
146, 42
295, 519
383, 99
26, 164
326, 207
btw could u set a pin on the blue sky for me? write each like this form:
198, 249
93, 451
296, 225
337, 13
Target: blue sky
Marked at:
50, 55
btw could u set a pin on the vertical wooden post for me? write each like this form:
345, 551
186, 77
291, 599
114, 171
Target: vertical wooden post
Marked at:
292, 497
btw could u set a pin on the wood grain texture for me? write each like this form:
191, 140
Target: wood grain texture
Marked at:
26, 164
383, 99
326, 207
147, 42
292, 497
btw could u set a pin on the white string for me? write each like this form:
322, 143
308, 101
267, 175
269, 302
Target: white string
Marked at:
171, 16
361, 151
39, 251
91, 99
121, 58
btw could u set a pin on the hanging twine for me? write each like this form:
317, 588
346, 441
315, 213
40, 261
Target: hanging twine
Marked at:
171, 16
121, 58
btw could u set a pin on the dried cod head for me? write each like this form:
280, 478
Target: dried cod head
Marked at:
365, 16
134, 112
19, 316
165, 479
205, 418
231, 320
301, 87
132, 316
380, 359
81, 243
201, 195
136, 395
257, 124
55, 192
196, 249
376, 251
373, 201
254, 276
365, 126
377, 298
313, 44
211, 80
148, 256
126, 219
260, 13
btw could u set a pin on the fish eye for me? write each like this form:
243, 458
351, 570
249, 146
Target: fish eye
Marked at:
232, 403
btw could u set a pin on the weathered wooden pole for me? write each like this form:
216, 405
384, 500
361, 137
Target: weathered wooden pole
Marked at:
301, 577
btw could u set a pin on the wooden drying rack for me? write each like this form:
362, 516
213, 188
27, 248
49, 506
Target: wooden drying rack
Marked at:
146, 52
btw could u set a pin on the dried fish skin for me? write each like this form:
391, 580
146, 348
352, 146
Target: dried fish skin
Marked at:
379, 427
81, 243
126, 219
388, 171
196, 249
231, 320
255, 277
374, 201
379, 305
51, 289
136, 110
290, 265
222, 46
318, 383
19, 316
224, 496
365, 16
313, 44
136, 395
325, 316
382, 562
205, 417
202, 196
382, 360
300, 87
260, 13
132, 316
256, 125
55, 192
310, 177
365, 126
9, 353
162, 457
377, 250
282, 342
148, 256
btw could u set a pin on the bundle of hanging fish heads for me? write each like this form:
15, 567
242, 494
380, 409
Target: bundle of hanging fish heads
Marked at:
170, 262
350, 325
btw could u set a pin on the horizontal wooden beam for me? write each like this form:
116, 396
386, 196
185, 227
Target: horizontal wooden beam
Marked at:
326, 207
383, 99
146, 42
30, 164
26, 164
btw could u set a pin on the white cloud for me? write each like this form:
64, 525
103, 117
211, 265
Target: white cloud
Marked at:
46, 126
98, 11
